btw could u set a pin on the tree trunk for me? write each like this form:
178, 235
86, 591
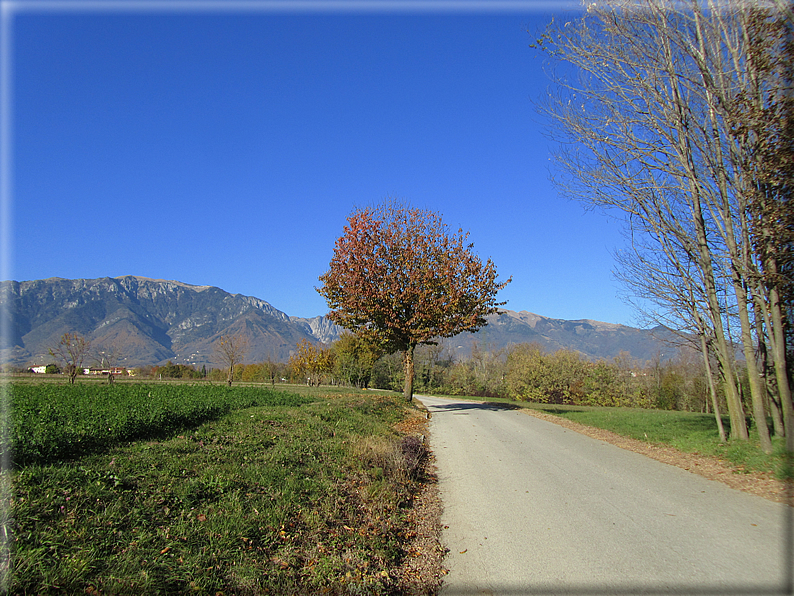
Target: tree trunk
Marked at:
773, 308
408, 365
703, 251
704, 348
781, 366
756, 388
762, 321
739, 257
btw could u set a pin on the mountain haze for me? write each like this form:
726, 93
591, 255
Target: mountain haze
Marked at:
151, 321
593, 339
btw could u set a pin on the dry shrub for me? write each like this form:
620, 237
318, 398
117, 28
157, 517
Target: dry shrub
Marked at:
413, 452
398, 459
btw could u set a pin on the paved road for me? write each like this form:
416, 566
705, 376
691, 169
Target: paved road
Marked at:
534, 508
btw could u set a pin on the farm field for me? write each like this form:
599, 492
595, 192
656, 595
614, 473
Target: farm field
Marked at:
138, 488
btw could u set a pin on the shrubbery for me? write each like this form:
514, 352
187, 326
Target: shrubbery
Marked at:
530, 373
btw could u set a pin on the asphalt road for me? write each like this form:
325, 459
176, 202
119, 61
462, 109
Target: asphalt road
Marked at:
533, 508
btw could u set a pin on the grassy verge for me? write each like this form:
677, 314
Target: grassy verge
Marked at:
690, 432
283, 498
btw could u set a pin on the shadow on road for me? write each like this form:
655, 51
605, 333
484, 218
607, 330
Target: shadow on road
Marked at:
475, 405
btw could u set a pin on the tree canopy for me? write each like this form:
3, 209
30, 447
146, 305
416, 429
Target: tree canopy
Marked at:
311, 361
400, 278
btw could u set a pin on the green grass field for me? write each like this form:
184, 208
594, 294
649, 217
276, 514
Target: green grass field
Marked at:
176, 489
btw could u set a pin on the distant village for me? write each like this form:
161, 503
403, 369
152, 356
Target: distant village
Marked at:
113, 370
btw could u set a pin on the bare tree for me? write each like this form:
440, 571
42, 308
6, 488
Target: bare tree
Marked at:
662, 280
663, 124
231, 349
72, 350
109, 357
271, 366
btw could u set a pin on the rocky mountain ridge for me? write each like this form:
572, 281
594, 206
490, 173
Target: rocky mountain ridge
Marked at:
151, 321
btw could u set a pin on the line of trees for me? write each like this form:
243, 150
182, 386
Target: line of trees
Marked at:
530, 373
349, 361
678, 118
524, 372
74, 351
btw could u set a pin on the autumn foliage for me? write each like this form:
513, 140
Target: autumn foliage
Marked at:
312, 362
399, 278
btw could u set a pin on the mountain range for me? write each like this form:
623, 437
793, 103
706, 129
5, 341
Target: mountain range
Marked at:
151, 321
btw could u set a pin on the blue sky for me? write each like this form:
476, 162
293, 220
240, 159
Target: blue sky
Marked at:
226, 146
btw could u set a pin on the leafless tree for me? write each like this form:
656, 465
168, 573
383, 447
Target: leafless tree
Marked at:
231, 349
72, 350
673, 115
672, 297
108, 356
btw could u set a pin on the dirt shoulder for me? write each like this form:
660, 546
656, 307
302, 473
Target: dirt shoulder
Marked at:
422, 571
758, 483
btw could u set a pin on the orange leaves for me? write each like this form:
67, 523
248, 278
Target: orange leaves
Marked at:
399, 273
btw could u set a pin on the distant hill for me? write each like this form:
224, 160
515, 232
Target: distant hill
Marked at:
152, 321
593, 339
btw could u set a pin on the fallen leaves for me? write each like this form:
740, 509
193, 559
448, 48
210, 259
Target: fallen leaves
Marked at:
279, 562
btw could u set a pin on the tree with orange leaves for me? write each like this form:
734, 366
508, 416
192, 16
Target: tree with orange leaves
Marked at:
400, 278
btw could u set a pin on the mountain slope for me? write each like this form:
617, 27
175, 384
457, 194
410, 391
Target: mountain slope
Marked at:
592, 339
151, 321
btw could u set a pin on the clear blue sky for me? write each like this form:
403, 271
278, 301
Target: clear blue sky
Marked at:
226, 147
